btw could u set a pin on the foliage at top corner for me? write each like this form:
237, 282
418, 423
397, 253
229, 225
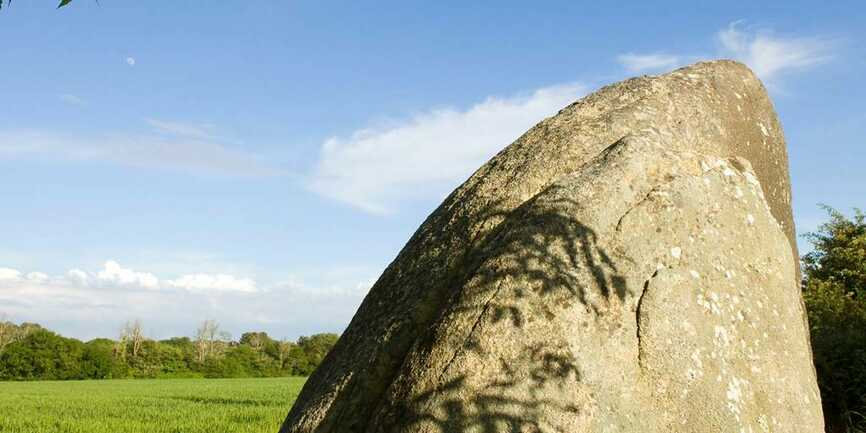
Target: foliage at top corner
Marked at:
62, 3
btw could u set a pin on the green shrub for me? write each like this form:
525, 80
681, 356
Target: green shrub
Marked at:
834, 290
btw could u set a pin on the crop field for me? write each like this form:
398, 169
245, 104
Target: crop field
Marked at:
152, 406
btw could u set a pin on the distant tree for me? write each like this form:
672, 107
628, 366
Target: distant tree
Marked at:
10, 332
99, 362
42, 354
834, 290
210, 340
121, 344
204, 338
134, 333
177, 357
185, 347
314, 349
179, 342
7, 330
130, 340
284, 351
259, 342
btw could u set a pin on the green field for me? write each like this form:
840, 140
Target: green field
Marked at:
151, 406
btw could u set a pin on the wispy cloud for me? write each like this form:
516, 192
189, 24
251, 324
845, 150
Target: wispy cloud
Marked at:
647, 62
182, 129
72, 99
377, 168
769, 55
194, 155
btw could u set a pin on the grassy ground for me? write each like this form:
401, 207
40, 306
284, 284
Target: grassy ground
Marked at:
152, 406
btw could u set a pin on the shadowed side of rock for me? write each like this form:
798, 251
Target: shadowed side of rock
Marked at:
414, 357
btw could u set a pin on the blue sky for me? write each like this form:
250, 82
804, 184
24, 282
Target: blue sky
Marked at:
260, 163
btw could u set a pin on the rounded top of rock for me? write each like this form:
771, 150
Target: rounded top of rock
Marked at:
717, 107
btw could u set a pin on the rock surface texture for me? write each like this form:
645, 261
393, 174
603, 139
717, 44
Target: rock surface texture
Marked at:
627, 265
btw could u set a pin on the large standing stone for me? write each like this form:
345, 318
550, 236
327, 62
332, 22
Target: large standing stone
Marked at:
627, 265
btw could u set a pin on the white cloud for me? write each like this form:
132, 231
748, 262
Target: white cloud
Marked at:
37, 277
218, 282
88, 304
647, 62
9, 274
115, 275
183, 154
376, 168
770, 55
130, 61
72, 99
78, 276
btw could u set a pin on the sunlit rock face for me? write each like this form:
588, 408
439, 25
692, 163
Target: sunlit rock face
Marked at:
627, 265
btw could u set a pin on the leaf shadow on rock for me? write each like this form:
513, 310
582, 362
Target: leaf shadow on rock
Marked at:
547, 252
495, 408
539, 261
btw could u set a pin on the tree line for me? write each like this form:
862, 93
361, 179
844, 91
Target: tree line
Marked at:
30, 352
